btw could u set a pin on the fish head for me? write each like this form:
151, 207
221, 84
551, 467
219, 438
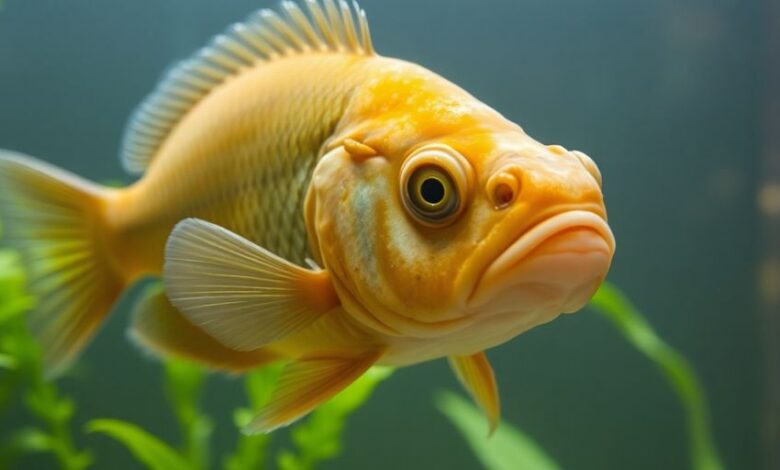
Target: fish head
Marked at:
431, 225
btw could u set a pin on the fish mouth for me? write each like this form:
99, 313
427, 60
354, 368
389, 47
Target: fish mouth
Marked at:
553, 267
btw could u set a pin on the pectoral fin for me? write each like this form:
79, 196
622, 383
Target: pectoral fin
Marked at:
160, 328
240, 293
307, 383
476, 375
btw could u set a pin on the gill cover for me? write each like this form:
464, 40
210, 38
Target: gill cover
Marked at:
392, 262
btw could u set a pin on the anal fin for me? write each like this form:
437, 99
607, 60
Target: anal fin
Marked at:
159, 327
476, 376
307, 383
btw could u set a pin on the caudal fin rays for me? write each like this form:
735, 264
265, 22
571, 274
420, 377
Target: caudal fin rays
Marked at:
54, 219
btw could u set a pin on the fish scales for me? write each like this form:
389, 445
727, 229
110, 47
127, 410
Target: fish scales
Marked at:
243, 157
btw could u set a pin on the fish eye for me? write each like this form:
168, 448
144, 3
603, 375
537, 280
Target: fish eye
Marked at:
434, 183
431, 194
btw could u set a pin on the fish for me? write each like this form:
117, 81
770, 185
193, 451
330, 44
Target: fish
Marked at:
307, 200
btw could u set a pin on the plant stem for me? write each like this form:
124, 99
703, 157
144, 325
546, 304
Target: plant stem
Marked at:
184, 384
616, 307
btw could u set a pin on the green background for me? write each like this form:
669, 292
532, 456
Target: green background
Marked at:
666, 96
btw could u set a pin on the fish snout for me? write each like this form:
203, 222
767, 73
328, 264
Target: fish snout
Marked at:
553, 267
545, 178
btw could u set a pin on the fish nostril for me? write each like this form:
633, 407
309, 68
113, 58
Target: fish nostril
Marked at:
503, 188
504, 195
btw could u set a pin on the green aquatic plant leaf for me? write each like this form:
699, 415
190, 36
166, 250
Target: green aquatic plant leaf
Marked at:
7, 361
615, 306
13, 299
319, 437
251, 449
507, 449
148, 449
184, 382
21, 377
260, 384
23, 441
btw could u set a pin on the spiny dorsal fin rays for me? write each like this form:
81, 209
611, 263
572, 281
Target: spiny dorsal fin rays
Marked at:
322, 23
265, 36
349, 26
334, 17
286, 32
298, 17
365, 33
262, 29
259, 46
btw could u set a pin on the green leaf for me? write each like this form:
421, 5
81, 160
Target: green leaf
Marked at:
148, 449
23, 441
352, 397
261, 383
31, 440
250, 451
8, 362
319, 437
184, 382
14, 301
616, 307
507, 449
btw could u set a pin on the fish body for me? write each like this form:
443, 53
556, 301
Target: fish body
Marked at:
310, 201
241, 158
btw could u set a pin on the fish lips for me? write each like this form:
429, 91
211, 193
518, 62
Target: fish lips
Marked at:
554, 267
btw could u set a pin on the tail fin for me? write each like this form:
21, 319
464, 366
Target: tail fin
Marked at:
54, 218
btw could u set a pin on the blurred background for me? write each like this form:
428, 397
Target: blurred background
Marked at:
674, 99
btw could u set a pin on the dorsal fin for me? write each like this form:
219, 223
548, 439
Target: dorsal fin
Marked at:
265, 36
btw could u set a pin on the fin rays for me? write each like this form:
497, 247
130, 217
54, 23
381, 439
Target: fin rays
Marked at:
53, 218
239, 293
476, 375
305, 384
264, 36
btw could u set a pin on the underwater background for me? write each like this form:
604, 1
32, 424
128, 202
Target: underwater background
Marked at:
668, 97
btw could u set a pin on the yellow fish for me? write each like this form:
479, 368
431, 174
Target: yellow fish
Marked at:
336, 209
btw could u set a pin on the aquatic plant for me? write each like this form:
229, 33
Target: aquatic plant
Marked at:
508, 448
317, 438
22, 382
512, 449
611, 303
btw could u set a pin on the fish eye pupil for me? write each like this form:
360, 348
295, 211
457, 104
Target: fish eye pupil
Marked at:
431, 195
432, 191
